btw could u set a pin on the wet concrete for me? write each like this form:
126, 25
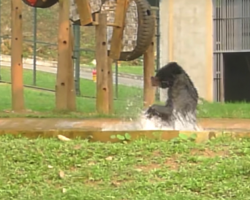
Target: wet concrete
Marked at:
95, 124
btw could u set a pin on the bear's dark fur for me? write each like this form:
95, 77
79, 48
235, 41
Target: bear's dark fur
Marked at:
182, 95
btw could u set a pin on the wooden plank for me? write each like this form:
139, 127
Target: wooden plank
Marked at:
84, 11
71, 80
110, 85
102, 86
116, 40
62, 83
16, 56
105, 136
148, 71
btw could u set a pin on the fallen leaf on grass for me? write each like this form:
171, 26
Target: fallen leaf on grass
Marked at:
61, 174
91, 163
77, 147
115, 183
63, 138
109, 158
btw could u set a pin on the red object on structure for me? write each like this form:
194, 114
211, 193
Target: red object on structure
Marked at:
32, 2
40, 3
94, 75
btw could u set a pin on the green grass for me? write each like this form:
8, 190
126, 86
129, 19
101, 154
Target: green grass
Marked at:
88, 87
134, 70
129, 103
224, 110
42, 104
141, 170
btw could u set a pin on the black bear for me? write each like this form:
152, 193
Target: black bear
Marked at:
182, 95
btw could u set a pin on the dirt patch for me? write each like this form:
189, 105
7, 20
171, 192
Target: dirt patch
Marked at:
172, 164
146, 168
209, 153
156, 153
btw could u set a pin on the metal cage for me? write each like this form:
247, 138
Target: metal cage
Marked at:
231, 21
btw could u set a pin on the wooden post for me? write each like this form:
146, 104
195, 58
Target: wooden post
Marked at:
116, 40
62, 82
110, 85
102, 70
16, 56
148, 71
71, 80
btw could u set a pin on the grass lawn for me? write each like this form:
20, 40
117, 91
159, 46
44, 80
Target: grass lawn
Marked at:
88, 87
44, 103
129, 98
129, 101
135, 70
143, 170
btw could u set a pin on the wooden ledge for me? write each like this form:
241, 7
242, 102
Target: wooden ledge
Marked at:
106, 136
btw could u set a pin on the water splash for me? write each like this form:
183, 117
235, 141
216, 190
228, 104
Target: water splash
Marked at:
142, 123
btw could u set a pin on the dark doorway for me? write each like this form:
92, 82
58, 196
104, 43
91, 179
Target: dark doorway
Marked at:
237, 77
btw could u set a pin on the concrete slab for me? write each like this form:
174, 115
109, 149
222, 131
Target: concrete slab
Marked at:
95, 124
90, 129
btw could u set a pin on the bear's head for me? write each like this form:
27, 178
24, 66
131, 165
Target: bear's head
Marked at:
166, 75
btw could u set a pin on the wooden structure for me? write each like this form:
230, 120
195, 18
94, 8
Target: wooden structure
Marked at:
120, 15
16, 56
102, 84
84, 11
65, 91
148, 71
104, 97
65, 87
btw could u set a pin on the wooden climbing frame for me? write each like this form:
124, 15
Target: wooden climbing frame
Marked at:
148, 71
65, 91
84, 11
65, 87
116, 40
104, 97
16, 56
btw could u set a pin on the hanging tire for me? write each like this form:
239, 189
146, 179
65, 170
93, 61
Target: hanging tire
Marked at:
40, 3
145, 33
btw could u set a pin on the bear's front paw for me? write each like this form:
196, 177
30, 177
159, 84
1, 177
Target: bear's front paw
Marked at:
152, 111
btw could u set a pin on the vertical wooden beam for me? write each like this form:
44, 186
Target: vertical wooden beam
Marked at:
102, 69
16, 56
71, 80
110, 85
63, 56
148, 71
116, 40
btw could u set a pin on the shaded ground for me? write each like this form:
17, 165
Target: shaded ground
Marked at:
45, 124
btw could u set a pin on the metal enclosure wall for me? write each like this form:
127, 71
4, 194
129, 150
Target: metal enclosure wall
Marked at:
231, 21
